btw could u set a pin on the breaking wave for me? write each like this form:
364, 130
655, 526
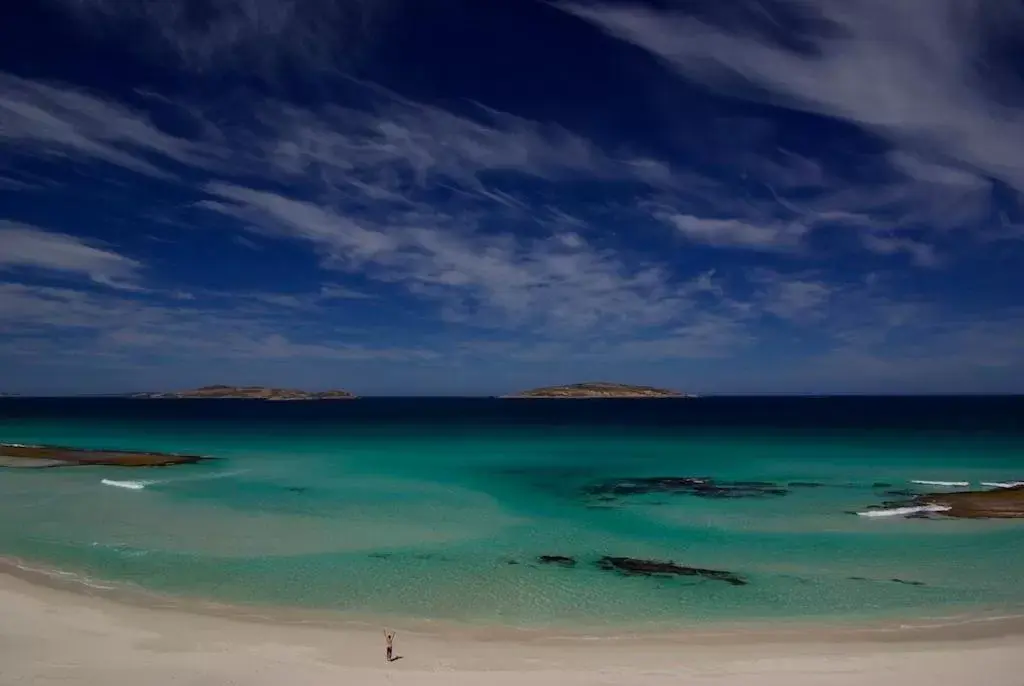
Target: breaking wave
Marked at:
132, 485
898, 511
138, 485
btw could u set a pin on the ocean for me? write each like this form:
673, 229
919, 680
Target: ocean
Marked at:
441, 508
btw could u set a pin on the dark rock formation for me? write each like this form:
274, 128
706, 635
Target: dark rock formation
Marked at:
561, 560
598, 389
1001, 503
998, 503
636, 567
804, 484
908, 583
60, 456
894, 580
702, 487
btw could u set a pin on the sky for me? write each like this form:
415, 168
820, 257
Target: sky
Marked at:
459, 197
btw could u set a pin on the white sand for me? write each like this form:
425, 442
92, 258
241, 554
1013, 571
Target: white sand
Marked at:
52, 636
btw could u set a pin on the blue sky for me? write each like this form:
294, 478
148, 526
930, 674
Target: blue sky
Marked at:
463, 197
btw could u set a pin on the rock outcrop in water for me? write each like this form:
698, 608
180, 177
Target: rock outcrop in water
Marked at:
36, 456
251, 393
701, 487
598, 389
561, 560
998, 503
630, 566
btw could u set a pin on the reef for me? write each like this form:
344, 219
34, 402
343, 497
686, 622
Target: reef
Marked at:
630, 566
998, 503
16, 455
701, 487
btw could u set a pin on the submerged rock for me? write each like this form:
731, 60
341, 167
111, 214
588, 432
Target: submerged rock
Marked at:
908, 583
630, 566
894, 580
562, 560
61, 456
701, 487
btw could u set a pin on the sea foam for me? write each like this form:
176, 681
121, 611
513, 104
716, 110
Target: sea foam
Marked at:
898, 511
960, 484
132, 485
140, 485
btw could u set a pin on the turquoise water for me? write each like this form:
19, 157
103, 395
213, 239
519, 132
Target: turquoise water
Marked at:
447, 521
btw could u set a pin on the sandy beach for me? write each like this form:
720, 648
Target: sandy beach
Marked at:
51, 635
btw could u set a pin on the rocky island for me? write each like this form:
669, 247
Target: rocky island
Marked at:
37, 456
598, 389
251, 393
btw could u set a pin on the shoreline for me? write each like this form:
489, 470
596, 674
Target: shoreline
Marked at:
51, 635
965, 626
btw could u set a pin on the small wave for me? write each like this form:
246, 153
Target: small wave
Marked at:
133, 485
941, 483
142, 484
1002, 484
200, 477
897, 511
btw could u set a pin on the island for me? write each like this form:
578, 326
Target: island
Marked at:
598, 389
250, 393
37, 456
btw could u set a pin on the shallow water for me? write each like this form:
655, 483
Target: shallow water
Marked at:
439, 508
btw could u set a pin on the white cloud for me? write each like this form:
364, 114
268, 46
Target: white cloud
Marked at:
262, 35
58, 120
736, 233
914, 71
557, 283
921, 254
799, 298
8, 183
400, 147
123, 327
335, 292
25, 246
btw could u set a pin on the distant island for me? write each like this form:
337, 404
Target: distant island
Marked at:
251, 393
598, 389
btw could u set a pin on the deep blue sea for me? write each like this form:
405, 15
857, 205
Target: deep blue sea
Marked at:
440, 507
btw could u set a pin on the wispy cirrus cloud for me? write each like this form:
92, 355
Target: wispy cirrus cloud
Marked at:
560, 282
264, 35
127, 326
399, 148
737, 233
29, 247
63, 122
922, 74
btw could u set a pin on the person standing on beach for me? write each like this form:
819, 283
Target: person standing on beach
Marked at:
389, 638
